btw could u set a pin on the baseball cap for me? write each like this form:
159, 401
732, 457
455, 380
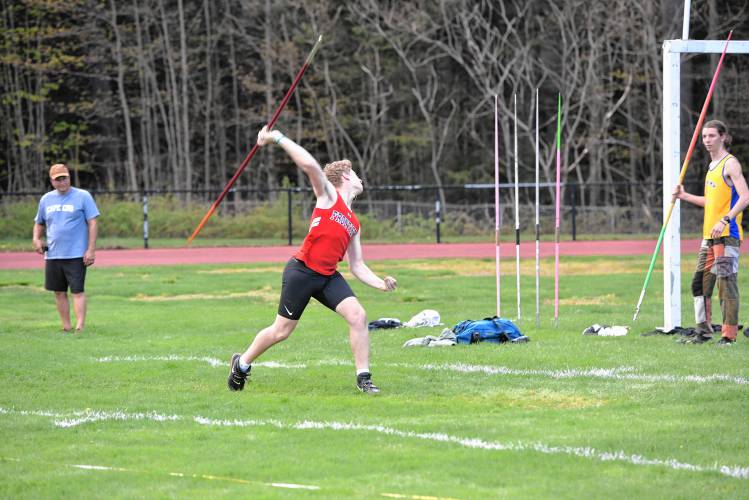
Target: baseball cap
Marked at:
58, 169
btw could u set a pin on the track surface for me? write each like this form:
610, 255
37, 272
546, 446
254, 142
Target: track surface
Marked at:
230, 255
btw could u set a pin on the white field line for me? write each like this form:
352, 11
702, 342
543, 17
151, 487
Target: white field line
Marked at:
98, 467
215, 362
414, 497
74, 418
66, 421
288, 486
617, 373
209, 477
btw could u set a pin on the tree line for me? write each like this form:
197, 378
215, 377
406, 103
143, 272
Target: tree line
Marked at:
169, 94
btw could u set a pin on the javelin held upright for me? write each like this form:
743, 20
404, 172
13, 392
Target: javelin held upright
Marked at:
254, 149
683, 173
557, 217
496, 201
517, 212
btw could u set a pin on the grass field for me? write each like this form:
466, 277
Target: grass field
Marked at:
137, 405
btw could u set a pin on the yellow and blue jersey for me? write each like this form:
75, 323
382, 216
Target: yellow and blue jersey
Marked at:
720, 197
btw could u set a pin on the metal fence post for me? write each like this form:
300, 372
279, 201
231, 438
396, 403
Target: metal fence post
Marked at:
145, 219
574, 211
288, 214
398, 216
437, 217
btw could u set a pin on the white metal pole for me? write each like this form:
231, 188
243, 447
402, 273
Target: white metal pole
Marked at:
517, 211
671, 163
685, 25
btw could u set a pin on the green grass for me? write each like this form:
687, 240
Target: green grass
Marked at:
148, 314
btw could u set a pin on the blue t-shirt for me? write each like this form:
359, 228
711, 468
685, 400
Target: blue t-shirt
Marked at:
65, 217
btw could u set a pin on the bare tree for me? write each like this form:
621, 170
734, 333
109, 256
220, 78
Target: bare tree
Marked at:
130, 146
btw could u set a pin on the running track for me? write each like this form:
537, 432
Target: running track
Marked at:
245, 255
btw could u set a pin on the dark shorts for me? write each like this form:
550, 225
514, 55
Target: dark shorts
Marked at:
300, 283
59, 274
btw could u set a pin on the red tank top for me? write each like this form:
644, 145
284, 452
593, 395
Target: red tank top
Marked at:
330, 232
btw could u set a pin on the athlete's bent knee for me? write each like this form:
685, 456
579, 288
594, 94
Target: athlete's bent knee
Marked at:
357, 317
281, 330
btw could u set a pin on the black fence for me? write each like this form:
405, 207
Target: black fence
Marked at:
464, 210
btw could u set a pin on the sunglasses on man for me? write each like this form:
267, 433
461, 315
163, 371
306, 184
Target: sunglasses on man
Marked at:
61, 178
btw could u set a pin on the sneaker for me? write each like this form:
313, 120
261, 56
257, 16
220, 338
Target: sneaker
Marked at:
725, 341
697, 338
364, 383
237, 377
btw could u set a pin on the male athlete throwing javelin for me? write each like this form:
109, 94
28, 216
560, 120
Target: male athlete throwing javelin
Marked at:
311, 272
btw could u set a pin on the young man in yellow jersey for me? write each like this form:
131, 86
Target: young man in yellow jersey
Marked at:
726, 196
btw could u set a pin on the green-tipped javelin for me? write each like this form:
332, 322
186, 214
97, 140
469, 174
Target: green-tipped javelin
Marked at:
682, 174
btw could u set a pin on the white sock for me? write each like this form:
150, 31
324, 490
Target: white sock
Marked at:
363, 370
244, 366
700, 315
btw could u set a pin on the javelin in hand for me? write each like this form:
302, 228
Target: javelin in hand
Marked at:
683, 173
254, 149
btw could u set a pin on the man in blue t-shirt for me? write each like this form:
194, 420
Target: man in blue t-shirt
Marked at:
69, 216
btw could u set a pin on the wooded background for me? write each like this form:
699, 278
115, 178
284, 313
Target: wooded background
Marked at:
170, 94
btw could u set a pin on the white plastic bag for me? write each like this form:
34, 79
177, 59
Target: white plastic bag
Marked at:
427, 317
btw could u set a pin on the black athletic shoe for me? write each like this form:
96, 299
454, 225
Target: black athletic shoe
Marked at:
725, 341
364, 383
237, 377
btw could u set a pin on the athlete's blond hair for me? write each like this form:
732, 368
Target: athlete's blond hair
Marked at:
334, 171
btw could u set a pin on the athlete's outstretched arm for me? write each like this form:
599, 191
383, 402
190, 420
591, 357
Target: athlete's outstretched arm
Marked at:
320, 184
364, 273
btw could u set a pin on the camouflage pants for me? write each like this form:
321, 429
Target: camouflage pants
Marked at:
717, 263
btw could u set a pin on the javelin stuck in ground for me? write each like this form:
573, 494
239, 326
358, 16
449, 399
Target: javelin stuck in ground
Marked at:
556, 222
517, 211
496, 200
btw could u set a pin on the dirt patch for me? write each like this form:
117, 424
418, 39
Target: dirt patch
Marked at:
543, 399
601, 300
536, 399
266, 294
22, 286
243, 270
527, 267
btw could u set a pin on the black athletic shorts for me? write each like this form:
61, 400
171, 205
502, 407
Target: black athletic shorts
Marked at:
59, 274
300, 283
